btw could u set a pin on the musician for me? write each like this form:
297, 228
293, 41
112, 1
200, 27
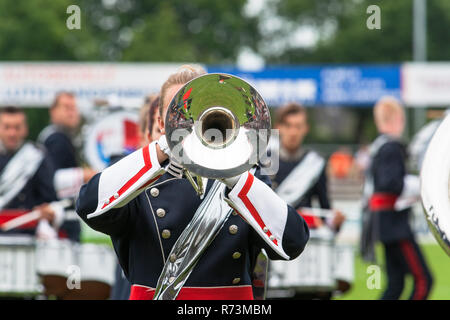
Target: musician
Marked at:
386, 173
148, 120
301, 177
26, 174
292, 123
145, 210
58, 140
148, 132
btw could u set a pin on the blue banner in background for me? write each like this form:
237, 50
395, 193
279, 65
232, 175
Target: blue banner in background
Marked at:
328, 85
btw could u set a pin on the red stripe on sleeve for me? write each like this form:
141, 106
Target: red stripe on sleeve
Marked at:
146, 155
243, 196
136, 177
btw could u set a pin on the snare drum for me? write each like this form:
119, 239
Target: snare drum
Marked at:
93, 265
97, 271
18, 266
344, 269
97, 263
312, 271
54, 257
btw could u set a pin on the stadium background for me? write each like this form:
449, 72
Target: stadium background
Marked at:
276, 40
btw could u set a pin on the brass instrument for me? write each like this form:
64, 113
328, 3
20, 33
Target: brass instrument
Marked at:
217, 126
434, 178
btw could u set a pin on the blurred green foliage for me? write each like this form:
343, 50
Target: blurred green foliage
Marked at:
37, 119
36, 30
126, 30
215, 32
345, 38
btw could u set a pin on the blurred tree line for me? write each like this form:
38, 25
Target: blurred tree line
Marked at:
126, 30
215, 32
344, 37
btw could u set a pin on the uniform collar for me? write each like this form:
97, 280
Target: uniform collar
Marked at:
63, 129
174, 169
287, 156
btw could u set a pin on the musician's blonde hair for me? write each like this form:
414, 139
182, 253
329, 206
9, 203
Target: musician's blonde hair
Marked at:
184, 74
144, 111
386, 109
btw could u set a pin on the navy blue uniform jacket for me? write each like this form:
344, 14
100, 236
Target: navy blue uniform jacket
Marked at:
145, 229
388, 172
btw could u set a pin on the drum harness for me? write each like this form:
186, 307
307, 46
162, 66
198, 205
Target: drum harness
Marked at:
19, 170
308, 171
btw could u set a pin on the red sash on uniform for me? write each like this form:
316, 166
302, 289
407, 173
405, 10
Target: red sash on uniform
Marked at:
191, 293
6, 215
382, 201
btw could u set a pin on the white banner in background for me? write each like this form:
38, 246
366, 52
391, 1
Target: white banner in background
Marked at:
35, 84
426, 84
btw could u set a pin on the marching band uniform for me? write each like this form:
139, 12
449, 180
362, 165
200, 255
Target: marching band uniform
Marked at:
145, 209
303, 165
122, 287
318, 189
68, 176
390, 225
21, 189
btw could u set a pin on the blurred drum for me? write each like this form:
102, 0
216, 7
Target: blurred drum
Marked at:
75, 271
18, 267
115, 134
343, 266
97, 265
57, 264
54, 257
311, 272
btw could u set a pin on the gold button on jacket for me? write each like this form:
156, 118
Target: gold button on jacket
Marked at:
165, 234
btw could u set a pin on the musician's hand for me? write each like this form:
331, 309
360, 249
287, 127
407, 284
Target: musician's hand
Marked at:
338, 219
162, 149
88, 173
47, 211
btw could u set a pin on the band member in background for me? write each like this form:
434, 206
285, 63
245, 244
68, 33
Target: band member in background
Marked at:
26, 177
387, 178
58, 140
145, 209
148, 131
153, 131
301, 176
148, 117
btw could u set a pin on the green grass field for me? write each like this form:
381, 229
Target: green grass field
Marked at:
89, 235
437, 260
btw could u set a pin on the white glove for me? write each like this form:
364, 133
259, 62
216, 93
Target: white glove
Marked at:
231, 182
58, 208
45, 231
162, 142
